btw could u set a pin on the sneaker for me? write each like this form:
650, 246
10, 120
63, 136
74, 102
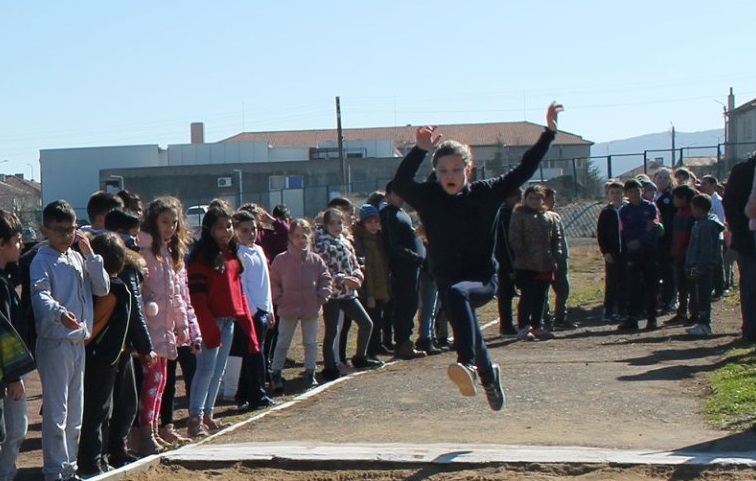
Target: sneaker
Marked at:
330, 373
426, 345
525, 334
628, 326
309, 378
542, 334
676, 319
362, 362
212, 424
406, 350
277, 382
507, 332
702, 330
494, 392
464, 377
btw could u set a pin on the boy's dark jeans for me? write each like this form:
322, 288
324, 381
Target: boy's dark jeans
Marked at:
188, 362
254, 369
380, 315
614, 286
404, 289
667, 277
702, 294
504, 296
643, 283
125, 406
686, 302
99, 378
460, 300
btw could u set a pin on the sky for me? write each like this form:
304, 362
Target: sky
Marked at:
93, 73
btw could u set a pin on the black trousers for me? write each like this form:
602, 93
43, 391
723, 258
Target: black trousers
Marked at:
380, 315
504, 296
188, 362
404, 288
254, 368
125, 406
99, 379
643, 283
614, 287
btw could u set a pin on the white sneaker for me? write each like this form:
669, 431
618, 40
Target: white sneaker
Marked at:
702, 330
464, 377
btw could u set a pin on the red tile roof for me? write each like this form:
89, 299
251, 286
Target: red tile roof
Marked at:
509, 133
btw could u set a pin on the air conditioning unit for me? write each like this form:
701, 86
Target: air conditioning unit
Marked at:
224, 182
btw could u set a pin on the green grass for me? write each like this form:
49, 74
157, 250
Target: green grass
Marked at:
732, 403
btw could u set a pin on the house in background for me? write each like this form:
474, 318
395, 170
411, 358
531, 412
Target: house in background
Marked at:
741, 129
22, 197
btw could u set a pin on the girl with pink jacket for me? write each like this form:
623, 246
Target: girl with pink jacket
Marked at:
300, 284
171, 321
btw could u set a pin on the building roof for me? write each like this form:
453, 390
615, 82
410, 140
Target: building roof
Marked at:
744, 107
650, 170
12, 185
508, 133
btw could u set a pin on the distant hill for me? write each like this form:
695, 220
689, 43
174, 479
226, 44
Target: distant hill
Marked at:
696, 144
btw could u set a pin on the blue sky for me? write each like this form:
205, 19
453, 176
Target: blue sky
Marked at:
91, 73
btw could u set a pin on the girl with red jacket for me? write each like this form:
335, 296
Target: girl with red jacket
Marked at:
214, 269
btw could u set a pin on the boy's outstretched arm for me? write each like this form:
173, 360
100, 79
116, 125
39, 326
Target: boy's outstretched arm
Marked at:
404, 179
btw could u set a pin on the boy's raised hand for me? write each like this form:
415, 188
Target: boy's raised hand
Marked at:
84, 245
551, 115
425, 138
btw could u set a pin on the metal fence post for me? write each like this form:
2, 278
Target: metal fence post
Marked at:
574, 176
609, 166
719, 161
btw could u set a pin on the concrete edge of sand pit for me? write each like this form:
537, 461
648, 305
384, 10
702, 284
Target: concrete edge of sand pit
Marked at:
479, 454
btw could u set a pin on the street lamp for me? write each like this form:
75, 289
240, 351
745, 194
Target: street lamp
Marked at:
32, 170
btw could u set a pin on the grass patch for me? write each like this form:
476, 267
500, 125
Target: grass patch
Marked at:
732, 403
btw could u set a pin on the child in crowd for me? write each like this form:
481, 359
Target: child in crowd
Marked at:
505, 257
561, 281
684, 176
301, 285
702, 260
682, 225
170, 318
215, 271
649, 190
459, 219
63, 283
608, 234
639, 219
428, 308
99, 204
536, 242
376, 290
125, 405
255, 279
339, 255
665, 204
105, 348
13, 397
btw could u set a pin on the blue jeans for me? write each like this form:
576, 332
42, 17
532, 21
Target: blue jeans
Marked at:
460, 301
211, 364
428, 300
16, 425
747, 268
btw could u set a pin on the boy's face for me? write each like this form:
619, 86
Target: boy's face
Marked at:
10, 250
246, 232
649, 194
634, 195
615, 196
372, 224
61, 235
698, 212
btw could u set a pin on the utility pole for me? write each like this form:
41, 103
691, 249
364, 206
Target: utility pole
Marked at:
674, 151
340, 140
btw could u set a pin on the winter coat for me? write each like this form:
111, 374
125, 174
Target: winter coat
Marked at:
737, 192
169, 311
300, 283
703, 251
608, 231
131, 275
341, 260
216, 295
370, 246
535, 240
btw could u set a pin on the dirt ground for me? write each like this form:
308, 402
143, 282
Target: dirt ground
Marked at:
589, 387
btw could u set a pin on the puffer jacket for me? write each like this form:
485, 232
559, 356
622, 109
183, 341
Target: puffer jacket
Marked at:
300, 283
166, 299
341, 260
535, 239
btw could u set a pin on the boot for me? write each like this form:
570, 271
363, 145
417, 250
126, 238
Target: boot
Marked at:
277, 382
132, 440
407, 351
169, 434
147, 443
309, 378
195, 428
212, 424
160, 441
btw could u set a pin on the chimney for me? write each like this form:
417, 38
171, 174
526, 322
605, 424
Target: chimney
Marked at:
19, 176
730, 101
197, 133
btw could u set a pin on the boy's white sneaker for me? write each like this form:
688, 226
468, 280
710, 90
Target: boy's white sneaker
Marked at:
464, 377
702, 330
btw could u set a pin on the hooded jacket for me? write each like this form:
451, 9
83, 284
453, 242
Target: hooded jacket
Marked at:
535, 239
704, 244
341, 260
300, 283
370, 246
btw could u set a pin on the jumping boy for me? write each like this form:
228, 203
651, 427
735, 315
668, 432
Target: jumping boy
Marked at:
63, 283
